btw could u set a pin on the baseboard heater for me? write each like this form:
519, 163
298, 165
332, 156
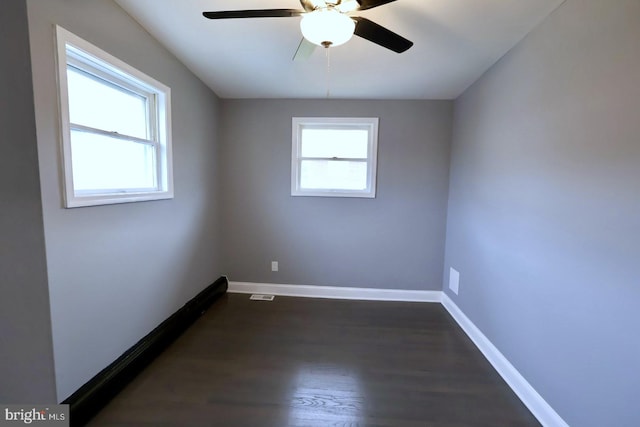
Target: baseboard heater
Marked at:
98, 391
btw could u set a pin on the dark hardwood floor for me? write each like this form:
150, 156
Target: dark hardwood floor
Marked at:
315, 362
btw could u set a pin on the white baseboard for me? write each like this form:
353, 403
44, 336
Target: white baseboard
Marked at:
521, 387
334, 292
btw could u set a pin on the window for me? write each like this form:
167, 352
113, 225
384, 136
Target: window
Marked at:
116, 132
334, 157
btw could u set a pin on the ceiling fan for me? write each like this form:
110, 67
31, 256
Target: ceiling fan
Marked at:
328, 23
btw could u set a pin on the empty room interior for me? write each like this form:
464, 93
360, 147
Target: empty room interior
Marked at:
445, 208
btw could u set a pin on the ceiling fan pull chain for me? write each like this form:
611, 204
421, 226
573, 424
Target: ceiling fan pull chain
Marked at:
328, 72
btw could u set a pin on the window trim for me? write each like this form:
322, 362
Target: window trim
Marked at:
370, 123
76, 52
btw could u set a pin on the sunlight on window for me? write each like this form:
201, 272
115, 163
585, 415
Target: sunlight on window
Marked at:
341, 143
328, 174
99, 104
115, 126
103, 163
334, 156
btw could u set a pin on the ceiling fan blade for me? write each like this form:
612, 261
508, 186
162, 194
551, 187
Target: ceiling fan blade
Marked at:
259, 13
379, 35
304, 51
370, 4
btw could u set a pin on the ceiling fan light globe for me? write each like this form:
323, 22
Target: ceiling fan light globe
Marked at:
327, 27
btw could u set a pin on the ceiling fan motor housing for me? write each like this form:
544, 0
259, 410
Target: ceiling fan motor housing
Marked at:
327, 27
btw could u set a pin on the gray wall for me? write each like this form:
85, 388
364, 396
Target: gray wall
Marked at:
26, 353
544, 209
115, 272
393, 241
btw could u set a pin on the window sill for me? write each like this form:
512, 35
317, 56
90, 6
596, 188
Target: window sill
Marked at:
111, 199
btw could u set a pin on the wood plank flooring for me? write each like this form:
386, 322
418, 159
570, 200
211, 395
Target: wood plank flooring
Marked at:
315, 362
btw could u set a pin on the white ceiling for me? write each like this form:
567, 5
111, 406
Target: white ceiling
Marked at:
455, 41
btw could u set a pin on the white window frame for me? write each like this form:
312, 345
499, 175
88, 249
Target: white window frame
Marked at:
368, 123
74, 51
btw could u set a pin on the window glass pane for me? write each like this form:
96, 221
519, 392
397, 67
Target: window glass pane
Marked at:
331, 174
341, 143
97, 103
103, 163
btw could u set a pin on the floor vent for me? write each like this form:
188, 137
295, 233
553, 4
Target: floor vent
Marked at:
258, 297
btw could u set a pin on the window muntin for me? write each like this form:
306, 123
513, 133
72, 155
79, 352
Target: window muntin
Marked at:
116, 134
334, 157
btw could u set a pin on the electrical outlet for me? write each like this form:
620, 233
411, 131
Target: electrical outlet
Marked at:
454, 280
274, 265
